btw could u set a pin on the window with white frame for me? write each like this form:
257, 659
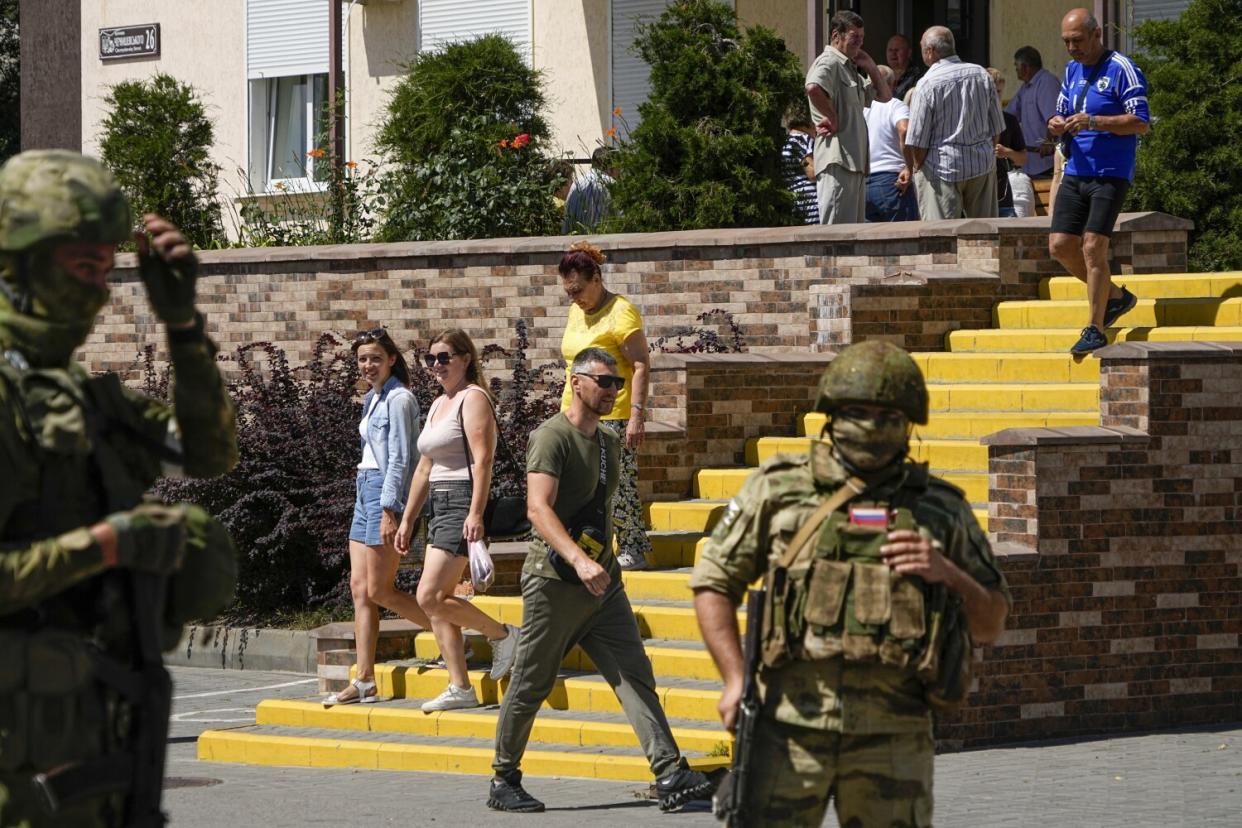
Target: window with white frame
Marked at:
287, 67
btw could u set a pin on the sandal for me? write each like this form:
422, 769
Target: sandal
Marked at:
364, 691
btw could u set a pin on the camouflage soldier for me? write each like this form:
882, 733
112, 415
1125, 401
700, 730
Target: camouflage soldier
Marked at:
878, 577
94, 578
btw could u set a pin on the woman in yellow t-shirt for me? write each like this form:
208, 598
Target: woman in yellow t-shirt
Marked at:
602, 319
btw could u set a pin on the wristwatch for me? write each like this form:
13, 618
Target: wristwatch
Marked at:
1090, 122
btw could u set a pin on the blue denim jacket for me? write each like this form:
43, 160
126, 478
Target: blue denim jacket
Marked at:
392, 433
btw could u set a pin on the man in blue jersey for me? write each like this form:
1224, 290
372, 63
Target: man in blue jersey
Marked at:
1101, 112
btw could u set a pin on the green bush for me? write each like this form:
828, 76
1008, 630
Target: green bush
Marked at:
707, 151
466, 141
157, 139
1188, 162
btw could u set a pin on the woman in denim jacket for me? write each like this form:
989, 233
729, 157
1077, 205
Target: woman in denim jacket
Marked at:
388, 433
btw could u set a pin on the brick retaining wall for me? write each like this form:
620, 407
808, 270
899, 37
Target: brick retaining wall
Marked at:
1122, 545
763, 276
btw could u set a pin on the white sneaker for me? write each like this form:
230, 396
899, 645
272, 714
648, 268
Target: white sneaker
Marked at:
504, 651
631, 562
453, 698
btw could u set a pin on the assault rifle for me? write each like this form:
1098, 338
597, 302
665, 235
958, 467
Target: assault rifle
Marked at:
729, 803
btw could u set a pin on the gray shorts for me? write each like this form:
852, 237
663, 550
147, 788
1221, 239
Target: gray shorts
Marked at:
450, 503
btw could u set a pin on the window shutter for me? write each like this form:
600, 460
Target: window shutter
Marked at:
631, 76
286, 37
1158, 9
448, 21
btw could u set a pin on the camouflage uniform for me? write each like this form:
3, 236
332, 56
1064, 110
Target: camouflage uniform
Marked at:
859, 733
78, 450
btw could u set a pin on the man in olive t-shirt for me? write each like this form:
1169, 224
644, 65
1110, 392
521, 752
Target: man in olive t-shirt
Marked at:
568, 458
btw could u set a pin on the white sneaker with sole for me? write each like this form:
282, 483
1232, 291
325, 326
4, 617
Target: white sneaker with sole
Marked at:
504, 650
453, 698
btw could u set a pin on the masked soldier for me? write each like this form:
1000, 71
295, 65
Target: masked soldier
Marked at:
95, 578
877, 579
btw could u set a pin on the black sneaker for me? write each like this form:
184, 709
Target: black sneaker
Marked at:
682, 785
1116, 308
507, 794
1090, 340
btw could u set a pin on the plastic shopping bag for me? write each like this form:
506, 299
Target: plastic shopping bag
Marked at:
482, 572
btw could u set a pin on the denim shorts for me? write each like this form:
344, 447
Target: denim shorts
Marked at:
450, 503
367, 511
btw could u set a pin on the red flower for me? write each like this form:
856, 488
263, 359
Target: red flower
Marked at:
521, 141
504, 143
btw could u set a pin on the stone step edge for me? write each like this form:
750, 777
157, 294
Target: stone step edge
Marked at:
479, 723
239, 747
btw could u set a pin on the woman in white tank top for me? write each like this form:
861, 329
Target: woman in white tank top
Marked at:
458, 483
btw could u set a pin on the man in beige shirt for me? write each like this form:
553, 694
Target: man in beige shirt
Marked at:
838, 94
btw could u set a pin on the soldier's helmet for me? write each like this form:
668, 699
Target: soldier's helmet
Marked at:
874, 373
59, 196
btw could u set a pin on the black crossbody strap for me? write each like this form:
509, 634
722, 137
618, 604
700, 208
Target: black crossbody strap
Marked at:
501, 446
1080, 102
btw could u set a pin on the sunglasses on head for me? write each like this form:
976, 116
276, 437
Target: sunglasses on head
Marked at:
605, 381
373, 334
444, 357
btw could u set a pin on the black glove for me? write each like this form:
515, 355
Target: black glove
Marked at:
150, 537
170, 286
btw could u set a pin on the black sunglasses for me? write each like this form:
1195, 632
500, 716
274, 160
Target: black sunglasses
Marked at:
443, 358
375, 333
604, 381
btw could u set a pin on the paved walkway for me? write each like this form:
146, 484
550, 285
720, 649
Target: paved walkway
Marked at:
1188, 778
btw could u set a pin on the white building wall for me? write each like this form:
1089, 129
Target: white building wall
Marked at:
202, 44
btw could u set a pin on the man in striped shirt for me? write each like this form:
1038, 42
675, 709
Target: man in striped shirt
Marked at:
955, 122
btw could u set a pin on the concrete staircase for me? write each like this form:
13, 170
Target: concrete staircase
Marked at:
1018, 374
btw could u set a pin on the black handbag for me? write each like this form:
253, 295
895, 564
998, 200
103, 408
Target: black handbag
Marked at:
504, 517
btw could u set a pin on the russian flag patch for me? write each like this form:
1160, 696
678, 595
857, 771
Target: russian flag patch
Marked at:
873, 517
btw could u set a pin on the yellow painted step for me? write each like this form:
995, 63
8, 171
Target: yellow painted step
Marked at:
1152, 285
653, 585
685, 515
576, 693
980, 513
1060, 339
955, 425
302, 751
1050, 396
729, 481
673, 549
654, 620
456, 724
667, 661
1148, 313
939, 367
941, 454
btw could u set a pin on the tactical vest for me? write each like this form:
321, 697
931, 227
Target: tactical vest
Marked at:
84, 695
832, 596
